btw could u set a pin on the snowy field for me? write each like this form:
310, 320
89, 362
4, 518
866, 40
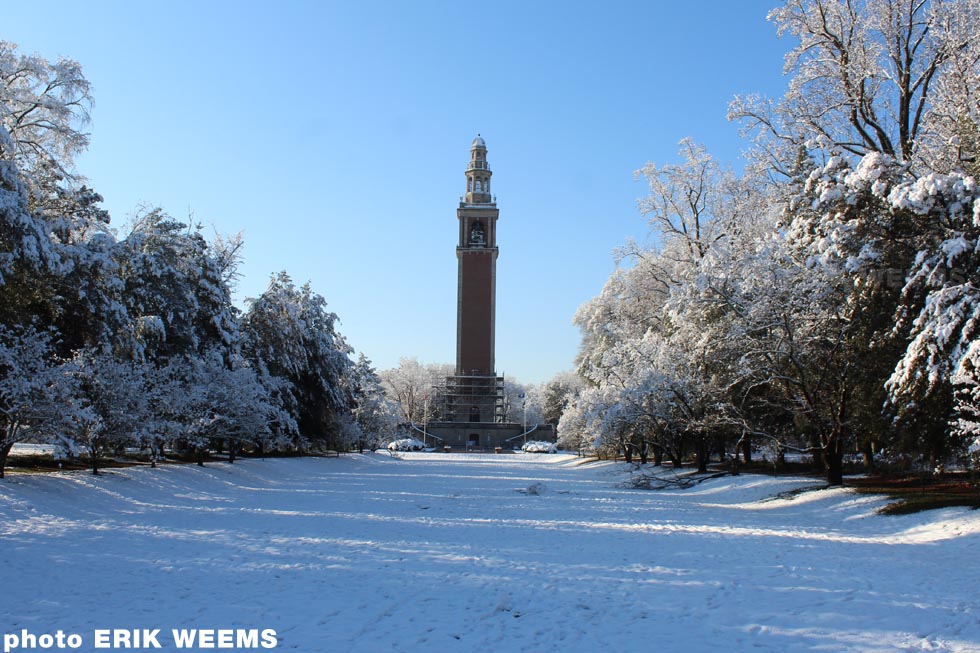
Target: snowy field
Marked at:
435, 552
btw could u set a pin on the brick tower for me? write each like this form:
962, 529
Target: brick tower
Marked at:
475, 394
477, 257
473, 414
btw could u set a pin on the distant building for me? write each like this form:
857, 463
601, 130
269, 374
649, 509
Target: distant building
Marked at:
473, 398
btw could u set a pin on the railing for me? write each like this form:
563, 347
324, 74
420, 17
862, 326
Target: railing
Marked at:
524, 434
426, 434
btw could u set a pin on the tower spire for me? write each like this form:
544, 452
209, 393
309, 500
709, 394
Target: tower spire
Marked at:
478, 174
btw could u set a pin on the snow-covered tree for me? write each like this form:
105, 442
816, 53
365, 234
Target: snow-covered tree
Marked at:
554, 395
865, 76
519, 400
222, 404
575, 428
29, 384
800, 352
966, 427
85, 289
870, 228
26, 252
43, 107
54, 234
656, 348
109, 407
289, 334
414, 385
876, 142
175, 294
377, 417
940, 308
89, 308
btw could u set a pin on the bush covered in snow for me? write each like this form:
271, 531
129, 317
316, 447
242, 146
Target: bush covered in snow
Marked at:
406, 444
539, 446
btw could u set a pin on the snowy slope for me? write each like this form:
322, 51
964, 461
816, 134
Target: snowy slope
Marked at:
434, 552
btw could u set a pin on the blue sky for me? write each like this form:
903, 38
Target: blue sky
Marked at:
335, 135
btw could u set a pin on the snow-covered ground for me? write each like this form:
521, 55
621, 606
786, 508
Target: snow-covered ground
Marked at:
440, 552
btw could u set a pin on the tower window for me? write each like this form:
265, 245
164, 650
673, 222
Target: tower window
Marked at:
478, 237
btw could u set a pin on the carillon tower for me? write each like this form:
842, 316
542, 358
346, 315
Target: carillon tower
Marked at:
475, 394
477, 257
473, 410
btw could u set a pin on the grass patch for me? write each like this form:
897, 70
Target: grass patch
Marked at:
915, 493
800, 491
42, 463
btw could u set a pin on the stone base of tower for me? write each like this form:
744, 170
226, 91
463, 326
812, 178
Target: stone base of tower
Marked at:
473, 417
476, 436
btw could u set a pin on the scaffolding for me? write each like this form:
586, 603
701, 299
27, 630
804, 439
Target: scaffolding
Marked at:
474, 399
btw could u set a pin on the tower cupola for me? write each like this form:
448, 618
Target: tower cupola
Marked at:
478, 174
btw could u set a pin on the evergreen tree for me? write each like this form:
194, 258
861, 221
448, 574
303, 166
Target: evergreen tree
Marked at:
289, 334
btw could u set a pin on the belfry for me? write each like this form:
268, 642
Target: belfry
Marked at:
472, 412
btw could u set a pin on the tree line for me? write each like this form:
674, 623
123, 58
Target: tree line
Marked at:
827, 299
121, 338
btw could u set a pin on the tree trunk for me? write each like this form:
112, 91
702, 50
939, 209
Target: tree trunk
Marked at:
677, 455
200, 457
94, 454
702, 455
747, 449
232, 451
628, 452
834, 460
868, 456
4, 450
658, 456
